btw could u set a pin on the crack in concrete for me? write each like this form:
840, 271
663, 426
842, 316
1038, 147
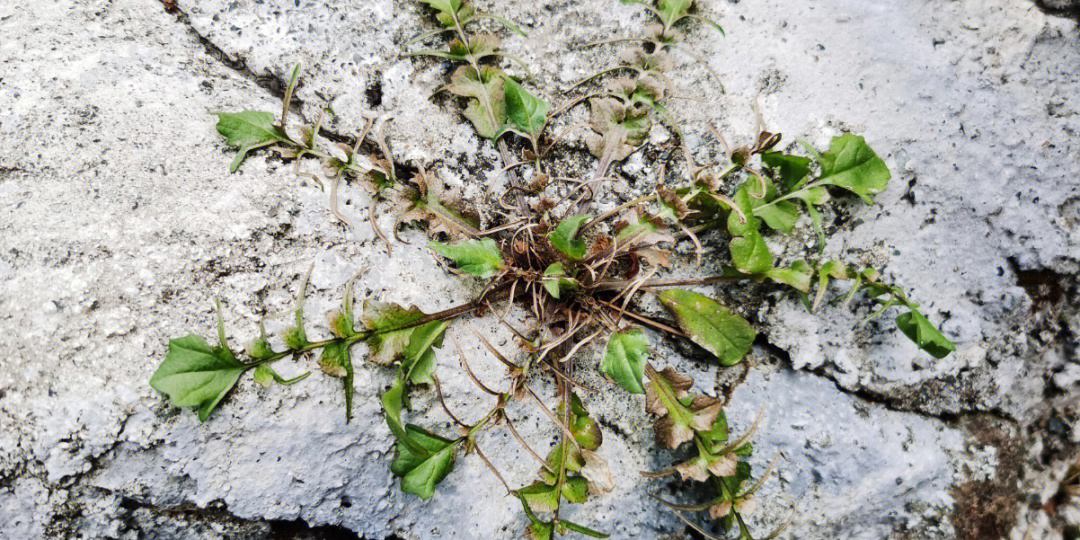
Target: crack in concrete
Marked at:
276, 86
890, 402
267, 81
218, 512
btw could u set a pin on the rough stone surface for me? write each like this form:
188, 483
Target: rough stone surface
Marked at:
120, 225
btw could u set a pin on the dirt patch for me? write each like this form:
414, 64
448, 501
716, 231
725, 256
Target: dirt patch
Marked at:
1064, 8
1044, 286
986, 509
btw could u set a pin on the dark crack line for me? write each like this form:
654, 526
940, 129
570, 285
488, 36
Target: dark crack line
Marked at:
267, 81
886, 401
276, 86
270, 82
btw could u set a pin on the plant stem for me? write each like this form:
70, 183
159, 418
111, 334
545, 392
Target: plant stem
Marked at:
643, 319
616, 210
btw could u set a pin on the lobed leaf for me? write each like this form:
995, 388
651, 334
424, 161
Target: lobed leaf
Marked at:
662, 397
487, 108
249, 130
620, 128
195, 374
422, 470
480, 258
852, 165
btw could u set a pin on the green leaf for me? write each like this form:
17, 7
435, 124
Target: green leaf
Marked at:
749, 252
815, 218
296, 337
555, 283
526, 112
539, 530
574, 461
815, 196
342, 321
392, 401
418, 360
449, 7
336, 360
711, 23
745, 450
584, 429
920, 330
480, 258
851, 164
259, 349
197, 375
381, 318
540, 496
624, 359
422, 470
563, 237
576, 489
792, 169
265, 376
333, 358
673, 10
580, 529
780, 216
710, 325
798, 276
248, 130
544, 497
